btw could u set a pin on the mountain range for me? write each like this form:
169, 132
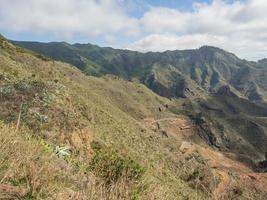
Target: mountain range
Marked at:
171, 73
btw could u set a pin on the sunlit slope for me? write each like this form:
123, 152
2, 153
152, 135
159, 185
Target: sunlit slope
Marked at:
61, 106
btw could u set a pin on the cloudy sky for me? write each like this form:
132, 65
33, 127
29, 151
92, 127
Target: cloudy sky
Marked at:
143, 25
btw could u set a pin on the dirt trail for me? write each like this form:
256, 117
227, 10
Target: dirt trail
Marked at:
224, 165
165, 119
181, 129
176, 126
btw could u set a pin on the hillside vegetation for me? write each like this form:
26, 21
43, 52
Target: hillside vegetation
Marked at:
80, 124
68, 135
219, 87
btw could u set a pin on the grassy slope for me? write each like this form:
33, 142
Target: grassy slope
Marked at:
64, 107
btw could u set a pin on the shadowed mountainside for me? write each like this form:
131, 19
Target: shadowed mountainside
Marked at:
171, 74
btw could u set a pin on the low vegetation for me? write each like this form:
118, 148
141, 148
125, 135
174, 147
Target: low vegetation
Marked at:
43, 173
58, 110
66, 135
111, 166
197, 172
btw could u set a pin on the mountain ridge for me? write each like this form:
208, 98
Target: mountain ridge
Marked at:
208, 75
208, 67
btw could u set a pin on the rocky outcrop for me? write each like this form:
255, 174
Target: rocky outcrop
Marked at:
225, 91
262, 166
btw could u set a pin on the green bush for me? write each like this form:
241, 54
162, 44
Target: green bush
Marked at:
28, 85
23, 85
42, 57
197, 173
112, 166
47, 98
135, 197
7, 91
41, 118
197, 118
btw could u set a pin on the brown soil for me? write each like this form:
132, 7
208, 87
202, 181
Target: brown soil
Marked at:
226, 168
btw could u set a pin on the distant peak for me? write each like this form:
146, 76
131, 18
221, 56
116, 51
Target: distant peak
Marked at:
210, 48
264, 60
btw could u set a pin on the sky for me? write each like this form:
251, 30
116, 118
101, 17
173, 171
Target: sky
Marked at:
238, 26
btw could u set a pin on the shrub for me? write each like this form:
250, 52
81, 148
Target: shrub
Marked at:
111, 166
42, 57
41, 118
62, 152
197, 173
135, 197
23, 85
7, 91
46, 98
29, 86
197, 118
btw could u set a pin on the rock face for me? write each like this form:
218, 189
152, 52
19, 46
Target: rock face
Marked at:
178, 89
185, 146
263, 166
225, 91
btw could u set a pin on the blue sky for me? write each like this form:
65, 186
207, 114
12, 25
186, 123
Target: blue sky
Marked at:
238, 26
134, 8
184, 5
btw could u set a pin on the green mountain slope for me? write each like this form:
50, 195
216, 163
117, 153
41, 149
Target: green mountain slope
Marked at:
171, 73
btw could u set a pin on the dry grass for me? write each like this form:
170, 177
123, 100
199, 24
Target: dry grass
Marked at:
67, 110
24, 164
29, 171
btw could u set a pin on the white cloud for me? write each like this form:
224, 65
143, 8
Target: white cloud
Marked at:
240, 27
162, 42
249, 49
162, 20
85, 17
